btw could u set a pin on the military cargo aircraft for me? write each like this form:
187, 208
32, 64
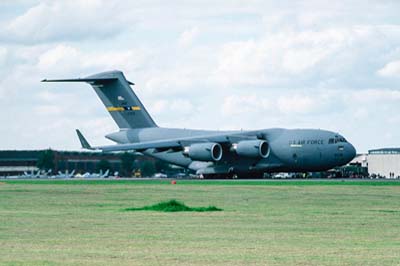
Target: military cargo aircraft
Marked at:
212, 153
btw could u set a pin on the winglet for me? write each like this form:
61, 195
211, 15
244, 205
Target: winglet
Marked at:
85, 144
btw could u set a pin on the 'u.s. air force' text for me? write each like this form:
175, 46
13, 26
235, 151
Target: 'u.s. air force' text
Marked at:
308, 141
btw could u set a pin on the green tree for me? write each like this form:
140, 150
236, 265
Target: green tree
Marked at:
127, 161
148, 168
103, 165
46, 160
162, 166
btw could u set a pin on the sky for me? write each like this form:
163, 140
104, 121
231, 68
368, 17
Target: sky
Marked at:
221, 65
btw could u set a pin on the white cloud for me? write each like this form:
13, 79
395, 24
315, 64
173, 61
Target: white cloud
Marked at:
3, 58
188, 36
54, 110
169, 107
277, 58
61, 20
240, 104
391, 69
62, 58
296, 104
56, 56
3, 54
372, 96
297, 60
256, 105
230, 66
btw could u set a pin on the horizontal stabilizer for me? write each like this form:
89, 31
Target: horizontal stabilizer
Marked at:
84, 80
85, 144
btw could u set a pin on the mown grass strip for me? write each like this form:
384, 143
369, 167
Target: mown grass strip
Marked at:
266, 182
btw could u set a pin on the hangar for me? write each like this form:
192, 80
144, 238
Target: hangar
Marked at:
384, 162
16, 162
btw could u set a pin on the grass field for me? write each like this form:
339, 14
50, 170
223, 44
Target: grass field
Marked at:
262, 223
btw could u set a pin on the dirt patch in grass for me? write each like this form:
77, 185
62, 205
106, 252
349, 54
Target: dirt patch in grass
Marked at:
174, 206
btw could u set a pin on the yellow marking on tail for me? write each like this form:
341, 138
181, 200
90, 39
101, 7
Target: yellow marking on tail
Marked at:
112, 109
130, 108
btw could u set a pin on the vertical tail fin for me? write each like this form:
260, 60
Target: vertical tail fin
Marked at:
121, 102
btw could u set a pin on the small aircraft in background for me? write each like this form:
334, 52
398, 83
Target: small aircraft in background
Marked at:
66, 174
94, 175
31, 174
38, 174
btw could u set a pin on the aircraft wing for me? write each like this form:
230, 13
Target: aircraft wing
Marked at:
177, 143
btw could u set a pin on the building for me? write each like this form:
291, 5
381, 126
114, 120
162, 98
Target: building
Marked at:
16, 162
384, 162
361, 160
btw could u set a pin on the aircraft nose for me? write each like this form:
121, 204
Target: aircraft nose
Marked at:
350, 152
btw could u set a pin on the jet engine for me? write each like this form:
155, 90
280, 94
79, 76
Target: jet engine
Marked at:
209, 151
252, 148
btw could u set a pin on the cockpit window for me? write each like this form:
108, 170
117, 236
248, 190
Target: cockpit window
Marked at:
337, 139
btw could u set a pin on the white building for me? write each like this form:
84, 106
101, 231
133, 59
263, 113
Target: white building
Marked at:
384, 162
361, 159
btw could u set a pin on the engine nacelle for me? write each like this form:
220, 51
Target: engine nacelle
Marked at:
209, 151
252, 148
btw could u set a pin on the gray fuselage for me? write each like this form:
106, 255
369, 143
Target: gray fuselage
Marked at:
291, 150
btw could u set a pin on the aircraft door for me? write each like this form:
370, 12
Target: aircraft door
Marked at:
320, 154
298, 158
